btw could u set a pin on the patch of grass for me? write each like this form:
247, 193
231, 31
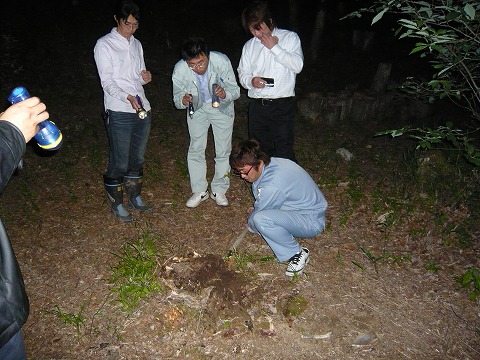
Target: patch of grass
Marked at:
78, 320
464, 236
455, 232
385, 257
351, 199
470, 280
178, 194
182, 167
387, 198
240, 261
431, 265
134, 277
355, 193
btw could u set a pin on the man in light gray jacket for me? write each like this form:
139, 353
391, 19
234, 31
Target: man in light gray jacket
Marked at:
204, 84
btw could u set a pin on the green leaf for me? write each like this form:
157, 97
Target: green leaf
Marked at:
379, 15
418, 48
408, 23
453, 15
427, 10
358, 265
469, 11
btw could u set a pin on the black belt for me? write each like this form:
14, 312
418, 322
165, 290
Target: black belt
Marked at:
268, 102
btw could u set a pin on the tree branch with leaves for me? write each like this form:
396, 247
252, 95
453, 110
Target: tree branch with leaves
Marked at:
447, 34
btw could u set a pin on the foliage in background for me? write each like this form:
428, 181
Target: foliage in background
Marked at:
134, 277
447, 34
429, 139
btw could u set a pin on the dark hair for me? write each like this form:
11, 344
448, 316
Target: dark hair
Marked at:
125, 8
193, 47
248, 152
256, 13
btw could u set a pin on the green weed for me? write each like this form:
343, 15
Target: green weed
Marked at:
351, 199
182, 167
78, 320
134, 277
431, 265
470, 280
241, 260
385, 257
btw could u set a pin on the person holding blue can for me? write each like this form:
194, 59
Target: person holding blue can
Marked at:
18, 124
204, 83
121, 67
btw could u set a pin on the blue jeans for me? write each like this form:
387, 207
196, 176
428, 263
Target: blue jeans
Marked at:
127, 137
14, 349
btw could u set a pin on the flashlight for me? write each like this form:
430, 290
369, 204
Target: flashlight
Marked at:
142, 113
215, 99
191, 110
49, 136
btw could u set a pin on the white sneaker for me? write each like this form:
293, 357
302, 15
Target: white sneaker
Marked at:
297, 263
196, 199
220, 199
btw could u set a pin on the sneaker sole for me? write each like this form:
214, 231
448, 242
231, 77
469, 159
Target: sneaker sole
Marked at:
292, 273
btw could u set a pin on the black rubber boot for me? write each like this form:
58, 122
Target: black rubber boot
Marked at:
114, 188
133, 187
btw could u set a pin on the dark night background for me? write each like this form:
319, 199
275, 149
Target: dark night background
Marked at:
47, 46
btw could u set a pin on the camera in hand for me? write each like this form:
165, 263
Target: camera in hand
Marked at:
269, 82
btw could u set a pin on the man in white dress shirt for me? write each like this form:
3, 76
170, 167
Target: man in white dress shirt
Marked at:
268, 68
122, 71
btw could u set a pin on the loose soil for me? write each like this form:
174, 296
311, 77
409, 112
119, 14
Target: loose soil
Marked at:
348, 304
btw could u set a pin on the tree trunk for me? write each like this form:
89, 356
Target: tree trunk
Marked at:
317, 34
379, 83
293, 14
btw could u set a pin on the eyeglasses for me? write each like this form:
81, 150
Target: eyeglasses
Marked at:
130, 25
198, 65
241, 173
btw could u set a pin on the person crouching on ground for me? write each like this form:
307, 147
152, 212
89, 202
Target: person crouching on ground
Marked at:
288, 203
193, 79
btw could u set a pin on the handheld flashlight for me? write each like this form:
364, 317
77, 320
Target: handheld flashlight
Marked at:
49, 136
